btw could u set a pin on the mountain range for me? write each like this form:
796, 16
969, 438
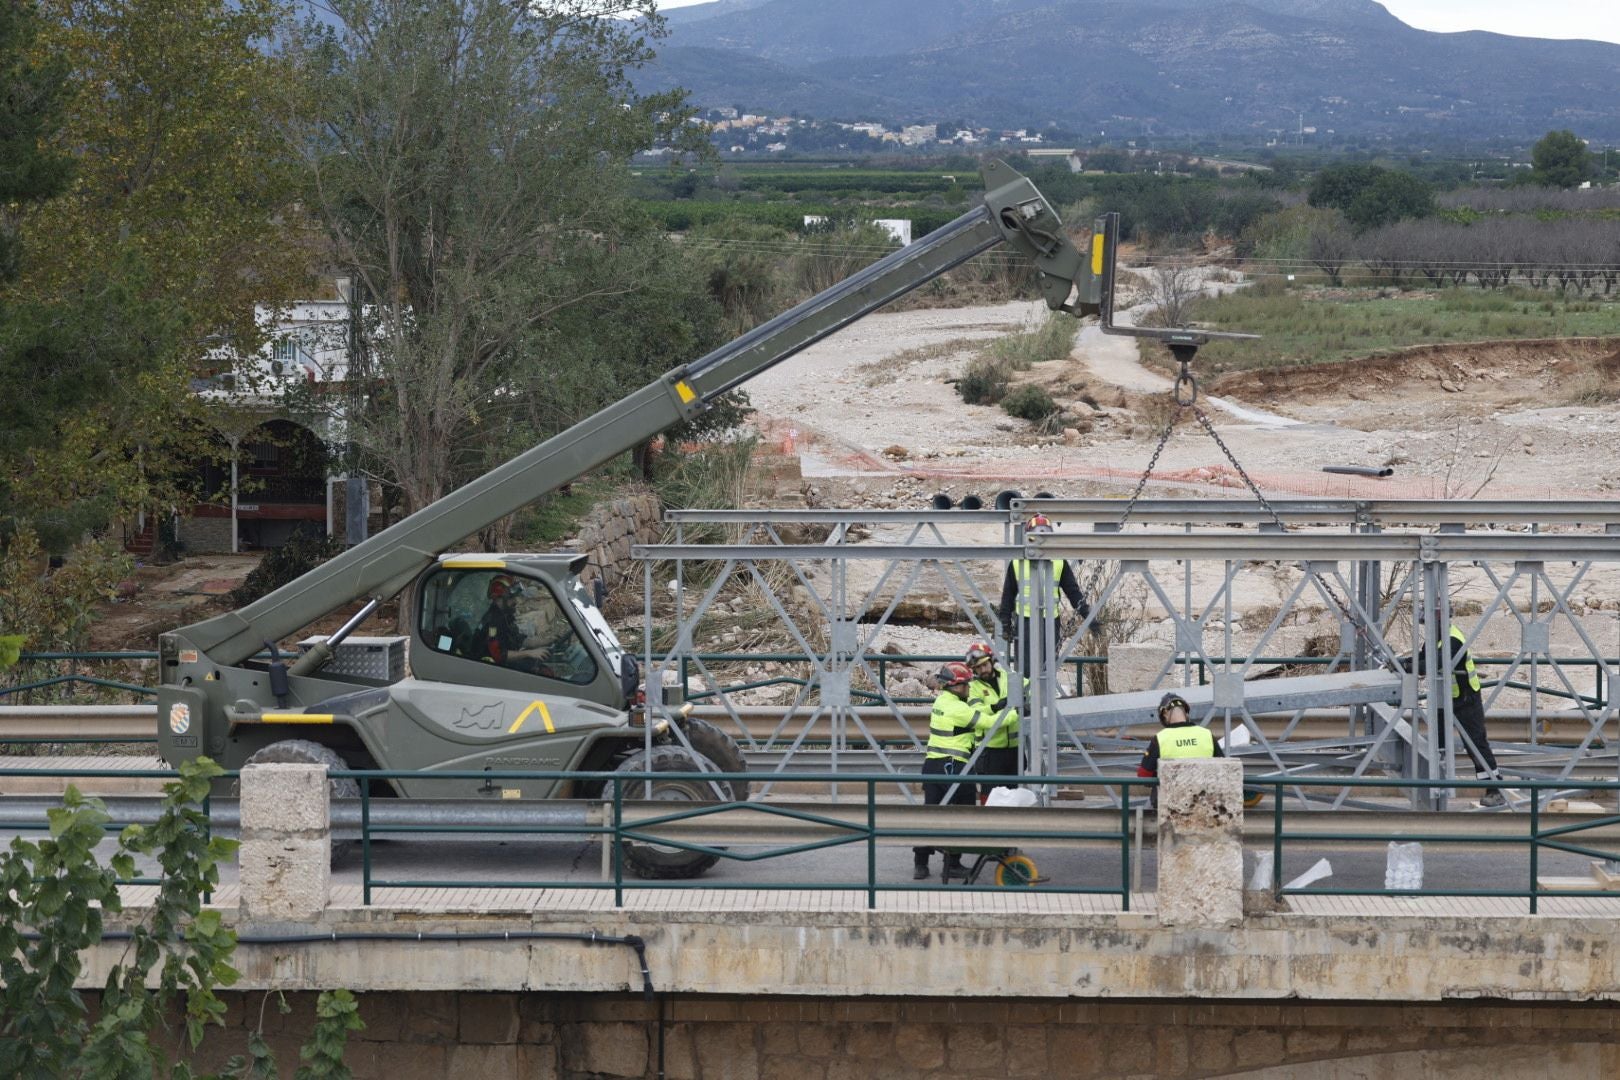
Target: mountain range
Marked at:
1212, 67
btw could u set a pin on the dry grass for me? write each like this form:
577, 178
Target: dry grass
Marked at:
890, 368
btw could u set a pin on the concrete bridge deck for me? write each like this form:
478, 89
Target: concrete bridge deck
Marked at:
451, 903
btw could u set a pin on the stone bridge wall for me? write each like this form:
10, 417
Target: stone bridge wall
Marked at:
549, 1036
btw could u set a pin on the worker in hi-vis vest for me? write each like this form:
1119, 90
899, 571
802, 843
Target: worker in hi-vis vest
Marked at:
952, 733
1179, 737
1017, 606
998, 720
1468, 707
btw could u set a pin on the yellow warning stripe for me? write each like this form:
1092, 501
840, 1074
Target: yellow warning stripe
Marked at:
545, 714
295, 718
687, 394
475, 564
1097, 254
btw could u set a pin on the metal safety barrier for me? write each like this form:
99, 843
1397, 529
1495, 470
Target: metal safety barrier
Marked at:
1525, 828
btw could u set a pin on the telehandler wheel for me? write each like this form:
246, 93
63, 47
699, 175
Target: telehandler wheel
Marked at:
655, 861
305, 752
722, 749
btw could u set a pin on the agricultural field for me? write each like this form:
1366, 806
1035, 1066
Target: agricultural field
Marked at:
1320, 324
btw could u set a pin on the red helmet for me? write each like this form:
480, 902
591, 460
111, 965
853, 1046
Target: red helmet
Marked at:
976, 652
1039, 523
953, 674
500, 585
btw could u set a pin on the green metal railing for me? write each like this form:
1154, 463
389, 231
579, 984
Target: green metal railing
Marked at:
617, 832
76, 678
1526, 828
111, 828
1536, 837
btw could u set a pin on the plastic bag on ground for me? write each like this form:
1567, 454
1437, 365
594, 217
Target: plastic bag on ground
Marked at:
1006, 796
1403, 866
1260, 881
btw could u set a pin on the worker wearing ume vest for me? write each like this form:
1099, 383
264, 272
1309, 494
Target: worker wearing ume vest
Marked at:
998, 720
952, 732
1178, 738
1017, 607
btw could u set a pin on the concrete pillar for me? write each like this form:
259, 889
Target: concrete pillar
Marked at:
1136, 665
1200, 842
286, 852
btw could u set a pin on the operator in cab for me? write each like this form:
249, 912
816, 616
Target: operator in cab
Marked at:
501, 637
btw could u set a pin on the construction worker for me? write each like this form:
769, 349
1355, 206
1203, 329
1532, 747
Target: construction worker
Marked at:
1178, 737
1468, 706
997, 733
1017, 607
951, 734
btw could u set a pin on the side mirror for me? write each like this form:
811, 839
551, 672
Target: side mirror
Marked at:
629, 677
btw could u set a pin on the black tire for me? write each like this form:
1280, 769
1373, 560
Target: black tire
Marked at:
305, 752
722, 749
651, 861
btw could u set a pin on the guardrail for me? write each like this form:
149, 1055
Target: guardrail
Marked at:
707, 828
660, 823
115, 825
1514, 828
72, 677
761, 830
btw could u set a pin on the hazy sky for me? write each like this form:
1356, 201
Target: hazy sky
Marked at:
1598, 19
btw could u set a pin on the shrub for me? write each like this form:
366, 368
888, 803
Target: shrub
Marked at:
297, 557
1029, 402
985, 381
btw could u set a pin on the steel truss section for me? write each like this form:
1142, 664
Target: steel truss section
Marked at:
1372, 569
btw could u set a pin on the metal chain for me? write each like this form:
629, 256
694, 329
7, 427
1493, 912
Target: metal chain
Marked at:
1204, 421
1373, 644
1190, 402
1095, 578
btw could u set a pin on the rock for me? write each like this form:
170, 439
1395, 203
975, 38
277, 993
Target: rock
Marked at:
896, 453
1071, 436
909, 688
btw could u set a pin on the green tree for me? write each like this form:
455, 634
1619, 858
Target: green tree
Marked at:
1338, 186
179, 216
1560, 159
1392, 196
31, 88
470, 167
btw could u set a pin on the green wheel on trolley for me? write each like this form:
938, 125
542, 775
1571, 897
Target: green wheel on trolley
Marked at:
1016, 871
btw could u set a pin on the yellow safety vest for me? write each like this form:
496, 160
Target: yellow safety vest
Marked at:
1024, 575
1185, 741
951, 727
985, 694
1468, 667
